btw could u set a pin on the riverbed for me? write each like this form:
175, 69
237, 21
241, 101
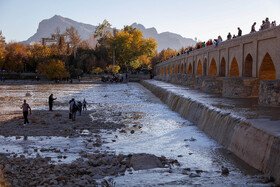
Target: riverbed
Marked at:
145, 125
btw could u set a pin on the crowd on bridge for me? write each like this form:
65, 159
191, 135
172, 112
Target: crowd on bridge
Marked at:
266, 24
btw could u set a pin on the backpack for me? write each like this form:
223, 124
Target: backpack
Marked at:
75, 107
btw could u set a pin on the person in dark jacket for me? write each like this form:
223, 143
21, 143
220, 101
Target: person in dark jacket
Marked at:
25, 107
239, 32
51, 99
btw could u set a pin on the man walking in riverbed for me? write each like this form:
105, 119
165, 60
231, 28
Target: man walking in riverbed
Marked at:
73, 108
25, 108
51, 99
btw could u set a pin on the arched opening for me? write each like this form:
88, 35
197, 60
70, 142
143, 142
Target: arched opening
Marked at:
182, 68
223, 68
248, 69
176, 69
199, 68
193, 71
234, 69
213, 68
190, 69
205, 66
267, 69
170, 72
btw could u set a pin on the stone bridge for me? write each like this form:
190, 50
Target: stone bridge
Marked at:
244, 67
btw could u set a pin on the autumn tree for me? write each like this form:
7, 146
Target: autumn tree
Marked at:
129, 44
53, 69
74, 38
2, 50
38, 54
16, 57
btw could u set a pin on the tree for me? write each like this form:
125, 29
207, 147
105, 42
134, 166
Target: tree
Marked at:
102, 32
97, 70
53, 69
16, 57
129, 44
74, 38
2, 50
38, 54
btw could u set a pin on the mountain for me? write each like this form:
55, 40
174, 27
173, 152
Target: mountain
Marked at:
165, 40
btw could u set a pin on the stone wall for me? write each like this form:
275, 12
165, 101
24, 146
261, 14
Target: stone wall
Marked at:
212, 85
251, 142
270, 93
237, 87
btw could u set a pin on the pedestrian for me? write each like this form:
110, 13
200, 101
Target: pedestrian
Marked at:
239, 32
262, 25
229, 36
73, 108
80, 105
253, 28
51, 99
25, 107
266, 24
84, 104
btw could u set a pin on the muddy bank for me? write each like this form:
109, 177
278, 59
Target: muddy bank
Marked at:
55, 123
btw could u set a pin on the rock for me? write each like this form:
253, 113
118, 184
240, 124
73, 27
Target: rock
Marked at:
144, 161
132, 131
122, 131
180, 156
187, 169
225, 171
194, 175
198, 171
27, 94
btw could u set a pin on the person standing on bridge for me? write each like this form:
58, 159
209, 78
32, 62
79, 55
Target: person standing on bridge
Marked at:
253, 28
239, 32
51, 99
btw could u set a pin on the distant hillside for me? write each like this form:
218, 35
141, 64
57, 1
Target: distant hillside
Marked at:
165, 40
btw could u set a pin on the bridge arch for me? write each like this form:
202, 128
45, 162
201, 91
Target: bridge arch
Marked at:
234, 69
248, 66
182, 68
176, 69
205, 67
190, 68
267, 70
213, 68
223, 67
170, 71
199, 68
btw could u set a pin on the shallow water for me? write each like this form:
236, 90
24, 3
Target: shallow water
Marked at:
163, 132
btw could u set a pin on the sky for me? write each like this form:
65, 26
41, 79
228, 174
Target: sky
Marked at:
201, 19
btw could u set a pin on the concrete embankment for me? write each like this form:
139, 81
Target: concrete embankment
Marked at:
252, 142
